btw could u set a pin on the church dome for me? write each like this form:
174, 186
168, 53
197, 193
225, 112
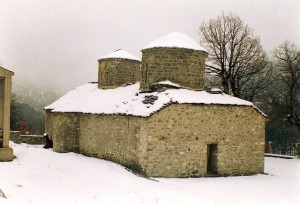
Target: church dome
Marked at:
120, 54
175, 57
175, 40
118, 68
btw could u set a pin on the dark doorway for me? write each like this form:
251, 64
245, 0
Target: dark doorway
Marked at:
212, 158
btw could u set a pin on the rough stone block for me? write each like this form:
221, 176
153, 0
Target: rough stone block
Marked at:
6, 154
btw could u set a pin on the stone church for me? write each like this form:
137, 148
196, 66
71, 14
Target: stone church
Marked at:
153, 116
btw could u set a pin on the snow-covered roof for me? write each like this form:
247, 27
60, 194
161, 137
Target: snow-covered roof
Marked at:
175, 40
120, 54
5, 72
127, 100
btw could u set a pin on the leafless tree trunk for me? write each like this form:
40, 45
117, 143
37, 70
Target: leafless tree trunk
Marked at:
287, 59
235, 55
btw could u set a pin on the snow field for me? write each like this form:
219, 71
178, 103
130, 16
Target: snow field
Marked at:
38, 175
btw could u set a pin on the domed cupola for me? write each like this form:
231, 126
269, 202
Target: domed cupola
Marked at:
118, 68
176, 58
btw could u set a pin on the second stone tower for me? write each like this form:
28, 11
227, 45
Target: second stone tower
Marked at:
176, 58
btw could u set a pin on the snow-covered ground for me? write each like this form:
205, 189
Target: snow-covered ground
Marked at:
39, 176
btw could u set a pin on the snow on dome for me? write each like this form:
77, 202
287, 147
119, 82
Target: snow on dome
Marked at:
175, 40
120, 54
127, 100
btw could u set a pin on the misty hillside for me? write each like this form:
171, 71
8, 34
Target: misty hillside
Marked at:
28, 101
35, 96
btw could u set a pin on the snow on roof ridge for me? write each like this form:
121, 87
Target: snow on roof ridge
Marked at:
129, 101
120, 54
176, 40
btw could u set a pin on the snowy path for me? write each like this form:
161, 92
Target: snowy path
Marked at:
43, 176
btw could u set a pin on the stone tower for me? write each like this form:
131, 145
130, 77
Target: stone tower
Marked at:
118, 68
175, 57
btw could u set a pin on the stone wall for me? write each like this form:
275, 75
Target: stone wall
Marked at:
32, 139
178, 136
182, 66
116, 72
171, 143
63, 129
110, 137
16, 137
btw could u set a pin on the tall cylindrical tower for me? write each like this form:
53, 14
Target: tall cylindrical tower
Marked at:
175, 57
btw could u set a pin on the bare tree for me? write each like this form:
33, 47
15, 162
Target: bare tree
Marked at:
235, 55
287, 62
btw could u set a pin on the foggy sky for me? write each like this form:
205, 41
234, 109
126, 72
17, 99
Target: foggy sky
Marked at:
56, 43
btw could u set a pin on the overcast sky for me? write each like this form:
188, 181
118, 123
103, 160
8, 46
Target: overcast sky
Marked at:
57, 43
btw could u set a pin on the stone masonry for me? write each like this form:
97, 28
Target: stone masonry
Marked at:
170, 143
185, 139
93, 135
63, 128
181, 66
116, 72
178, 136
118, 144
